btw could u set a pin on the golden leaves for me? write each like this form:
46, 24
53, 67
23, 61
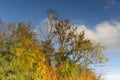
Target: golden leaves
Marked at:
52, 73
40, 59
85, 75
19, 51
26, 42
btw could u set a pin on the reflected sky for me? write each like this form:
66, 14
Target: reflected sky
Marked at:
89, 13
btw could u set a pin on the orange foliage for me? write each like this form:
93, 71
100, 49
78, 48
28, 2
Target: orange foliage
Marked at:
26, 42
85, 75
52, 73
60, 49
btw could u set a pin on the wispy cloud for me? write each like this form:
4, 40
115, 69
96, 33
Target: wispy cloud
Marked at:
110, 3
107, 33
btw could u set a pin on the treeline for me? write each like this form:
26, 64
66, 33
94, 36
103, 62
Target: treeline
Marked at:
61, 54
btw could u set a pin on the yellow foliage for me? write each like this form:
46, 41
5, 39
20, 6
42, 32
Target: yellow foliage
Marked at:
47, 64
85, 75
26, 42
19, 51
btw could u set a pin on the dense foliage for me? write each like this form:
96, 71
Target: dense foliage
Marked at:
63, 54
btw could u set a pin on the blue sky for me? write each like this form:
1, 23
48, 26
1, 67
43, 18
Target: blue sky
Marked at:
89, 12
100, 19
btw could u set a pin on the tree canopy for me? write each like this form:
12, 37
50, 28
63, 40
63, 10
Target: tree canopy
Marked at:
63, 54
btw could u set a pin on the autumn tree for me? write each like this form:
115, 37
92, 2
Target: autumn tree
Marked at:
57, 53
63, 44
20, 55
70, 43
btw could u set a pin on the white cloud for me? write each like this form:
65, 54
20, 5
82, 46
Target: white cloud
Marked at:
108, 33
112, 76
